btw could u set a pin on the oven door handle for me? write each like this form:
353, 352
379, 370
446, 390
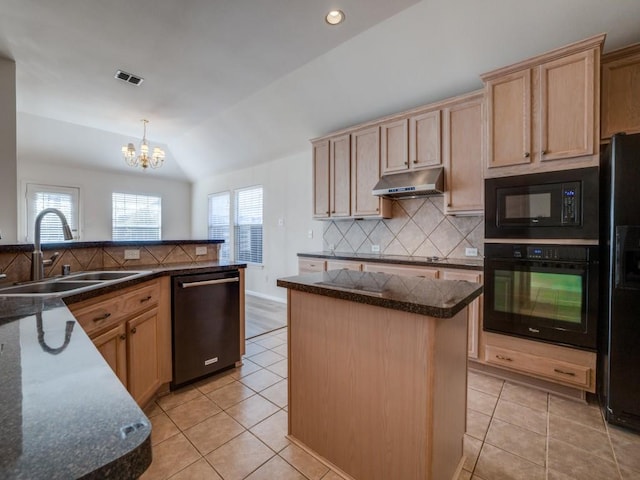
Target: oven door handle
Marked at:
209, 282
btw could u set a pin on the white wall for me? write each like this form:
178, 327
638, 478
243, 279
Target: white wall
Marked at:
8, 199
96, 188
287, 196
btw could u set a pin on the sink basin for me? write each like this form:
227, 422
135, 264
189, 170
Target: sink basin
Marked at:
45, 287
103, 275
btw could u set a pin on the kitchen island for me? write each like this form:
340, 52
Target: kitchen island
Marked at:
377, 372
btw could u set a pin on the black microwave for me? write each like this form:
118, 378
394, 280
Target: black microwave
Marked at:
554, 205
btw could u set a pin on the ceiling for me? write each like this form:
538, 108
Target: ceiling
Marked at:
232, 83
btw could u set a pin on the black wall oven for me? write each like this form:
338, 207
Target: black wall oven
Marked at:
542, 292
551, 205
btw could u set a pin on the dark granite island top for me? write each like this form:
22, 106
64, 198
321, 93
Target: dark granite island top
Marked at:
435, 298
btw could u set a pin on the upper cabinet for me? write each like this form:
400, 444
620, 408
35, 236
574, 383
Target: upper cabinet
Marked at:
394, 149
365, 171
620, 91
321, 179
543, 113
332, 177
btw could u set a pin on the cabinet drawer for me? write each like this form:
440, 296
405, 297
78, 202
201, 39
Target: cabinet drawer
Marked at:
307, 265
96, 315
548, 368
407, 271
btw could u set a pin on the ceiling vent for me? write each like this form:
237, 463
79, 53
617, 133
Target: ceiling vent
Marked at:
129, 78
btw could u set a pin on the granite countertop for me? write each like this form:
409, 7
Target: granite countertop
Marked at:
435, 298
63, 411
468, 263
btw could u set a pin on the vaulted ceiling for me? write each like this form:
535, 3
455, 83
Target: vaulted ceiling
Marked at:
231, 83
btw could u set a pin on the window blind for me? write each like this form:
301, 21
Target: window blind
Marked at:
136, 217
40, 197
248, 225
220, 220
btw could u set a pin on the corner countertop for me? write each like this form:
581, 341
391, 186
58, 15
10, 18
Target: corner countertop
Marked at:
63, 411
435, 298
469, 263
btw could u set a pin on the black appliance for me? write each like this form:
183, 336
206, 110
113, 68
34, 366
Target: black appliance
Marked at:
205, 324
551, 205
620, 278
542, 292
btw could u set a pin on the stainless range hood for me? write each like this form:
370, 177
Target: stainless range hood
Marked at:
418, 183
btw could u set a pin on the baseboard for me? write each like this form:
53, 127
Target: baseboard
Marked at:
266, 297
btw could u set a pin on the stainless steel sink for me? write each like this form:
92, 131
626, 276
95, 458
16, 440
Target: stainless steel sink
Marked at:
46, 287
102, 275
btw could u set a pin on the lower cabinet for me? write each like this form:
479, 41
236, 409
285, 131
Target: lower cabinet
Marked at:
112, 344
143, 356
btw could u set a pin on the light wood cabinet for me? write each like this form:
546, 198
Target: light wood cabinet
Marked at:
425, 139
365, 173
112, 344
394, 145
407, 270
340, 176
311, 265
344, 265
321, 179
143, 356
463, 155
543, 113
621, 91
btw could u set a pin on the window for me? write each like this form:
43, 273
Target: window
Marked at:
64, 199
248, 225
219, 221
136, 217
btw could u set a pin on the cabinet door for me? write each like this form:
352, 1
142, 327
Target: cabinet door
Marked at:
340, 174
474, 309
321, 179
424, 140
365, 170
567, 100
143, 356
463, 149
113, 346
621, 93
509, 119
394, 146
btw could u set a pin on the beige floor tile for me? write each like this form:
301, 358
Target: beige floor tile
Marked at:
497, 464
280, 368
517, 440
210, 384
282, 350
303, 462
193, 412
481, 402
251, 349
331, 475
529, 397
575, 411
464, 475
278, 393
170, 457
239, 457
252, 411
577, 463
247, 368
199, 470
266, 358
484, 383
525, 417
213, 432
276, 468
626, 445
230, 394
553, 475
273, 431
471, 451
593, 441
178, 397
477, 424
162, 428
260, 380
629, 473
152, 410
270, 342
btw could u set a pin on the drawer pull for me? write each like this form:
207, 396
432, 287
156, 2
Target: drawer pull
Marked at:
502, 357
146, 299
102, 317
557, 370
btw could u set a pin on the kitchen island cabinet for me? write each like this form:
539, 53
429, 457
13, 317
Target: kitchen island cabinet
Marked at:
377, 372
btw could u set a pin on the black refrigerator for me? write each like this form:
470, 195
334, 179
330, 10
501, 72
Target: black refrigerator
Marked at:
620, 282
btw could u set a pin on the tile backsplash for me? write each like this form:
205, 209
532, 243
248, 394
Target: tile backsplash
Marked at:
419, 227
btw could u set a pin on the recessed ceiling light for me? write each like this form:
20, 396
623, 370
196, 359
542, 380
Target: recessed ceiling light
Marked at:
334, 17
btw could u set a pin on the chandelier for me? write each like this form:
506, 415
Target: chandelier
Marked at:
143, 160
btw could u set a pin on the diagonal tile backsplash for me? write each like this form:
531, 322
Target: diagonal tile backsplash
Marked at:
419, 227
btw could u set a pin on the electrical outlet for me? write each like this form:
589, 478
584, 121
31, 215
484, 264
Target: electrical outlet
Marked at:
132, 254
281, 222
310, 233
201, 251
471, 252
332, 247
375, 248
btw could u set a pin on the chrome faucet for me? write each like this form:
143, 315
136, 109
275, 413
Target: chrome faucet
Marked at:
37, 262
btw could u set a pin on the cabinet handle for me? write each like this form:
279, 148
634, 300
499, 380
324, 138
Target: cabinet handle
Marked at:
557, 370
102, 317
133, 330
123, 337
544, 152
149, 297
332, 211
415, 161
327, 212
406, 163
377, 209
502, 357
527, 154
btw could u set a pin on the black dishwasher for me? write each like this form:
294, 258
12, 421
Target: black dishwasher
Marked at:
205, 323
